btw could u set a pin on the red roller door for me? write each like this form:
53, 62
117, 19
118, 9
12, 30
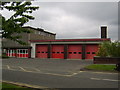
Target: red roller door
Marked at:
41, 51
75, 51
91, 51
58, 51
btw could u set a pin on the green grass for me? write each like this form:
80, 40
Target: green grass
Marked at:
10, 86
101, 67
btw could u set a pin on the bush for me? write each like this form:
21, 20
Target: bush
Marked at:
111, 49
4, 55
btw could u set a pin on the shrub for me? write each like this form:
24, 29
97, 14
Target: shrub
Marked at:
111, 49
4, 55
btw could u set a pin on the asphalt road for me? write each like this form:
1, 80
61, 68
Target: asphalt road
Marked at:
56, 74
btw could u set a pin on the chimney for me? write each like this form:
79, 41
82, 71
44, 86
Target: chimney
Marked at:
103, 31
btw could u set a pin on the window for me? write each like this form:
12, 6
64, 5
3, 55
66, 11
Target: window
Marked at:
93, 52
46, 52
42, 33
58, 52
70, 52
4, 50
35, 32
62, 52
42, 52
38, 52
49, 35
53, 52
88, 52
23, 51
79, 52
39, 32
20, 51
46, 34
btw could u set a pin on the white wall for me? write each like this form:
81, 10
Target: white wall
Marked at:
33, 50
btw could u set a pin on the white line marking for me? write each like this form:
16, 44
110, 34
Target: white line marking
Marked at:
8, 66
95, 78
105, 79
75, 73
104, 73
110, 80
22, 68
57, 74
41, 72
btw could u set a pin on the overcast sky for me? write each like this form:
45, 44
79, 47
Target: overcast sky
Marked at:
75, 20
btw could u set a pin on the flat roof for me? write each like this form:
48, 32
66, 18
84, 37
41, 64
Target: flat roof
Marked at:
72, 40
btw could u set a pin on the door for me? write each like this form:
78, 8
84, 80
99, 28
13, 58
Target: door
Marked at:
22, 53
42, 51
75, 51
58, 51
11, 52
91, 51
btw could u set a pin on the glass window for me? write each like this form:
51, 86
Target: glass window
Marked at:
42, 33
23, 51
93, 52
88, 52
39, 32
17, 51
49, 35
79, 52
10, 51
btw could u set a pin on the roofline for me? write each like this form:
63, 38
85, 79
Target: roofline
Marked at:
72, 40
39, 29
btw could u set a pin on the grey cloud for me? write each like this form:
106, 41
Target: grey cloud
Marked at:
77, 20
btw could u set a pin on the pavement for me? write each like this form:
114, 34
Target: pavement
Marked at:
55, 73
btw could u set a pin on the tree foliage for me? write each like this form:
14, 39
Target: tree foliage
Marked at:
14, 24
111, 49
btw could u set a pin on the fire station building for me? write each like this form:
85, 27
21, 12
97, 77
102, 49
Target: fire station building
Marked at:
46, 46
68, 48
65, 49
14, 49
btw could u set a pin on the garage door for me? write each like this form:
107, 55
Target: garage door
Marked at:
91, 51
75, 51
41, 51
58, 51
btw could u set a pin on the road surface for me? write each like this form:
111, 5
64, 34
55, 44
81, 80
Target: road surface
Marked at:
56, 74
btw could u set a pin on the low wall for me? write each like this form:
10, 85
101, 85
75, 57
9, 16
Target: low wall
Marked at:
106, 60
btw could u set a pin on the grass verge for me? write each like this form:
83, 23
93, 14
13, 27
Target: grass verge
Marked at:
12, 86
100, 67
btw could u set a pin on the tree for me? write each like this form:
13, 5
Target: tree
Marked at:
15, 23
111, 49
